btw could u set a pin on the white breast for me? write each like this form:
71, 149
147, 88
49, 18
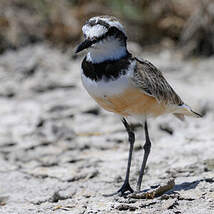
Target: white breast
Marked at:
104, 88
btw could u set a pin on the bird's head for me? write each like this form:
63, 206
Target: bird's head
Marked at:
103, 34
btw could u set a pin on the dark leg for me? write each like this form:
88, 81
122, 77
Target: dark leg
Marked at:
146, 147
126, 186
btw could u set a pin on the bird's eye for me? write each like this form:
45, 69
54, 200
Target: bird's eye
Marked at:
94, 38
84, 35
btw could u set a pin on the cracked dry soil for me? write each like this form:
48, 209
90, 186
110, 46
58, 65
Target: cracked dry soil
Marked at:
59, 153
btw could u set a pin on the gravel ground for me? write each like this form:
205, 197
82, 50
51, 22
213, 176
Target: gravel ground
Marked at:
59, 153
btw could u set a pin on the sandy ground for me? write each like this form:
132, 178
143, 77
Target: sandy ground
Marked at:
59, 153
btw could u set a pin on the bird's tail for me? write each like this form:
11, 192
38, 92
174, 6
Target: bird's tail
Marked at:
185, 110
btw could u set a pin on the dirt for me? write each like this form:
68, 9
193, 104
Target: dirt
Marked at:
59, 153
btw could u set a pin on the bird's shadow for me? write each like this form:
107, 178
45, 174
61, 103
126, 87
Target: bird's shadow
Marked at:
184, 186
178, 187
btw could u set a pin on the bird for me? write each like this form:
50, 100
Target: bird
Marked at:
126, 85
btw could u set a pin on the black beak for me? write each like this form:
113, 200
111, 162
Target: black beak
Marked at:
85, 44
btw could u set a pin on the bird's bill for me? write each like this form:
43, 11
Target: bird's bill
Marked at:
83, 45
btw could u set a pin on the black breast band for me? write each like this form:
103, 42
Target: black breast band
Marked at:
108, 70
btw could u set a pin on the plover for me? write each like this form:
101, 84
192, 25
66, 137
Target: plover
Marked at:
124, 84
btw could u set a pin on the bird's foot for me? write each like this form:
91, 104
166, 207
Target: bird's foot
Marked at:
122, 191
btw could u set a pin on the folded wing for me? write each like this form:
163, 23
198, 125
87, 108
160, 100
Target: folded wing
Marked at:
148, 78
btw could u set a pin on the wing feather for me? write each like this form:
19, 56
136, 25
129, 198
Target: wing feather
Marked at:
148, 78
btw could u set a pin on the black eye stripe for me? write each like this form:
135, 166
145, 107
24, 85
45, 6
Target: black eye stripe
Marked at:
111, 31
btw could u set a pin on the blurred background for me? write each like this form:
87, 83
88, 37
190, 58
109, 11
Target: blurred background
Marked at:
172, 23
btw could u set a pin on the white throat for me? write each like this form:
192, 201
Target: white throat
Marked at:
109, 49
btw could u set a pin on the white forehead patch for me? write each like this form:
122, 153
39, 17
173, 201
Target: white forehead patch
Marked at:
112, 21
98, 30
94, 31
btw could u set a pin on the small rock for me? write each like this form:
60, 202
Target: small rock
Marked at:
123, 207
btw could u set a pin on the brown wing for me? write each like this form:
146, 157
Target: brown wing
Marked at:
151, 81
